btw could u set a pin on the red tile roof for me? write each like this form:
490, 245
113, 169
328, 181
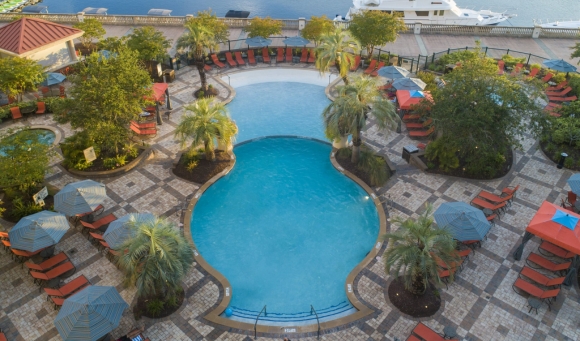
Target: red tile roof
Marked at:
28, 34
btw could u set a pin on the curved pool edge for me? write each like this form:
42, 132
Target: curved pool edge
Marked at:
56, 132
226, 290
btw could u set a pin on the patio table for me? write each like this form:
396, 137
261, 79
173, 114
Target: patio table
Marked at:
28, 110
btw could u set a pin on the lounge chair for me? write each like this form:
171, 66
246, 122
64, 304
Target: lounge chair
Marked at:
562, 99
112, 255
425, 333
217, 62
103, 221
266, 55
546, 264
452, 266
490, 218
52, 274
486, 204
207, 67
472, 243
517, 69
547, 77
554, 250
312, 56
560, 86
104, 244
464, 253
371, 67
16, 114
495, 198
40, 108
444, 275
533, 290
289, 55
69, 288
356, 63
230, 60
376, 72
4, 235
48, 264
559, 93
425, 124
24, 255
239, 58
304, 56
540, 278
59, 301
62, 92
280, 56
45, 91
6, 244
421, 133
411, 117
2, 336
251, 58
510, 190
96, 237
500, 67
533, 73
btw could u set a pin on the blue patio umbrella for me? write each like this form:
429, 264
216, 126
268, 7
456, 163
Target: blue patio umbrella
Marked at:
393, 72
565, 219
296, 41
464, 221
80, 197
574, 183
37, 231
416, 94
559, 65
106, 54
120, 229
409, 84
53, 78
90, 314
258, 42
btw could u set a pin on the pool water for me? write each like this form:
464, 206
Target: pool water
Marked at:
44, 136
285, 228
278, 108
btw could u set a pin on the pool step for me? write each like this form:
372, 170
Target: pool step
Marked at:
295, 317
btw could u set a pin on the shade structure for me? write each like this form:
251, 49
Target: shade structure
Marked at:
574, 183
120, 229
80, 197
556, 225
90, 314
159, 91
409, 84
258, 42
296, 41
559, 65
393, 72
53, 78
37, 231
464, 221
408, 98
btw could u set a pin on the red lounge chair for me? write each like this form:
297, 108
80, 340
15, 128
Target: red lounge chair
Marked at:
486, 204
239, 58
425, 124
500, 67
312, 57
547, 77
376, 72
494, 198
280, 56
54, 273
41, 108
546, 264
251, 59
45, 90
69, 288
559, 93
96, 237
207, 67
6, 244
266, 55
533, 290
230, 60
464, 253
560, 86
97, 211
510, 190
421, 133
444, 275
540, 278
562, 99
517, 69
48, 264
22, 253
4, 235
61, 93
217, 62
104, 244
304, 56
371, 67
16, 114
411, 117
144, 128
554, 250
533, 73
103, 221
356, 64
425, 333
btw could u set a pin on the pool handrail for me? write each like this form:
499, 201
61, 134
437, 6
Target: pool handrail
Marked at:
256, 324
317, 320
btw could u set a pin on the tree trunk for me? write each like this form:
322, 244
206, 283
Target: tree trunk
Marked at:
356, 143
345, 77
418, 286
209, 152
200, 64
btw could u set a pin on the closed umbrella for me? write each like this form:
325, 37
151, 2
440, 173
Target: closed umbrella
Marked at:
574, 183
90, 314
80, 197
296, 41
464, 221
258, 42
559, 65
120, 229
53, 78
409, 84
393, 72
38, 231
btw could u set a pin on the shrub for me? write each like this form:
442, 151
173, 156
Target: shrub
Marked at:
559, 77
109, 163
72, 150
535, 66
444, 153
511, 61
155, 307
484, 164
429, 79
459, 56
375, 166
131, 149
22, 209
191, 165
569, 162
574, 83
121, 160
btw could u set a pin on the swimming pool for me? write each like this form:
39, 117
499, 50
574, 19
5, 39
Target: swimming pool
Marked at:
285, 228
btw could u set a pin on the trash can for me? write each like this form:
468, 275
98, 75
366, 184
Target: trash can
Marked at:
169, 75
408, 150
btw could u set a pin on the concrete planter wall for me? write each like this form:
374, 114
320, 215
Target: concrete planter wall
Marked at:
144, 156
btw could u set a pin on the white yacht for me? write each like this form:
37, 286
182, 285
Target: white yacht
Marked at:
559, 24
431, 12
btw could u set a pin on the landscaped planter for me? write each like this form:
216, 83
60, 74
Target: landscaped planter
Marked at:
144, 156
340, 142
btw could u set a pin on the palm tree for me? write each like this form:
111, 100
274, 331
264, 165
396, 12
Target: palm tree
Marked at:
349, 112
209, 122
339, 49
414, 249
155, 259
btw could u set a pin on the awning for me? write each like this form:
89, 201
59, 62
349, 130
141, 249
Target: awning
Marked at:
407, 98
558, 226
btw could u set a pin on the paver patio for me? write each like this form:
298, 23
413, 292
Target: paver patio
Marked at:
480, 303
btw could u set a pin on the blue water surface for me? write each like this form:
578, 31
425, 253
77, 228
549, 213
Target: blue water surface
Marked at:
284, 227
44, 136
278, 108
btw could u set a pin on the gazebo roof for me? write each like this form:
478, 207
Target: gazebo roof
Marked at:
28, 34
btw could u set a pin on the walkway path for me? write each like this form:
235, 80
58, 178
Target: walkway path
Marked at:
480, 304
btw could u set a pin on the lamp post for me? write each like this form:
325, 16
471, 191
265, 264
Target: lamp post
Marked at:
563, 157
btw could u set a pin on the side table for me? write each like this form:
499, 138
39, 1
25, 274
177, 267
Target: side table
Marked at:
487, 212
534, 304
449, 332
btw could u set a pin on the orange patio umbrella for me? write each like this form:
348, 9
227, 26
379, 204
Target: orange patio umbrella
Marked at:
558, 226
159, 92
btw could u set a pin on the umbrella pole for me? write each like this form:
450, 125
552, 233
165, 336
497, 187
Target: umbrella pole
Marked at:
159, 120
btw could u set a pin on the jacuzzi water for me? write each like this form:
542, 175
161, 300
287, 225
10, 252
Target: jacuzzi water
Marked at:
45, 136
285, 228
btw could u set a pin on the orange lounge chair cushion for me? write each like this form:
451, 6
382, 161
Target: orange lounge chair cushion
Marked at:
547, 264
54, 273
103, 221
48, 264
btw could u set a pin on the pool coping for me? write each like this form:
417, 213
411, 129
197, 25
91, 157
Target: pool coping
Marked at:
349, 287
56, 132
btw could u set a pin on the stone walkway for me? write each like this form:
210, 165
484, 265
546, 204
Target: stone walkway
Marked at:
481, 304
